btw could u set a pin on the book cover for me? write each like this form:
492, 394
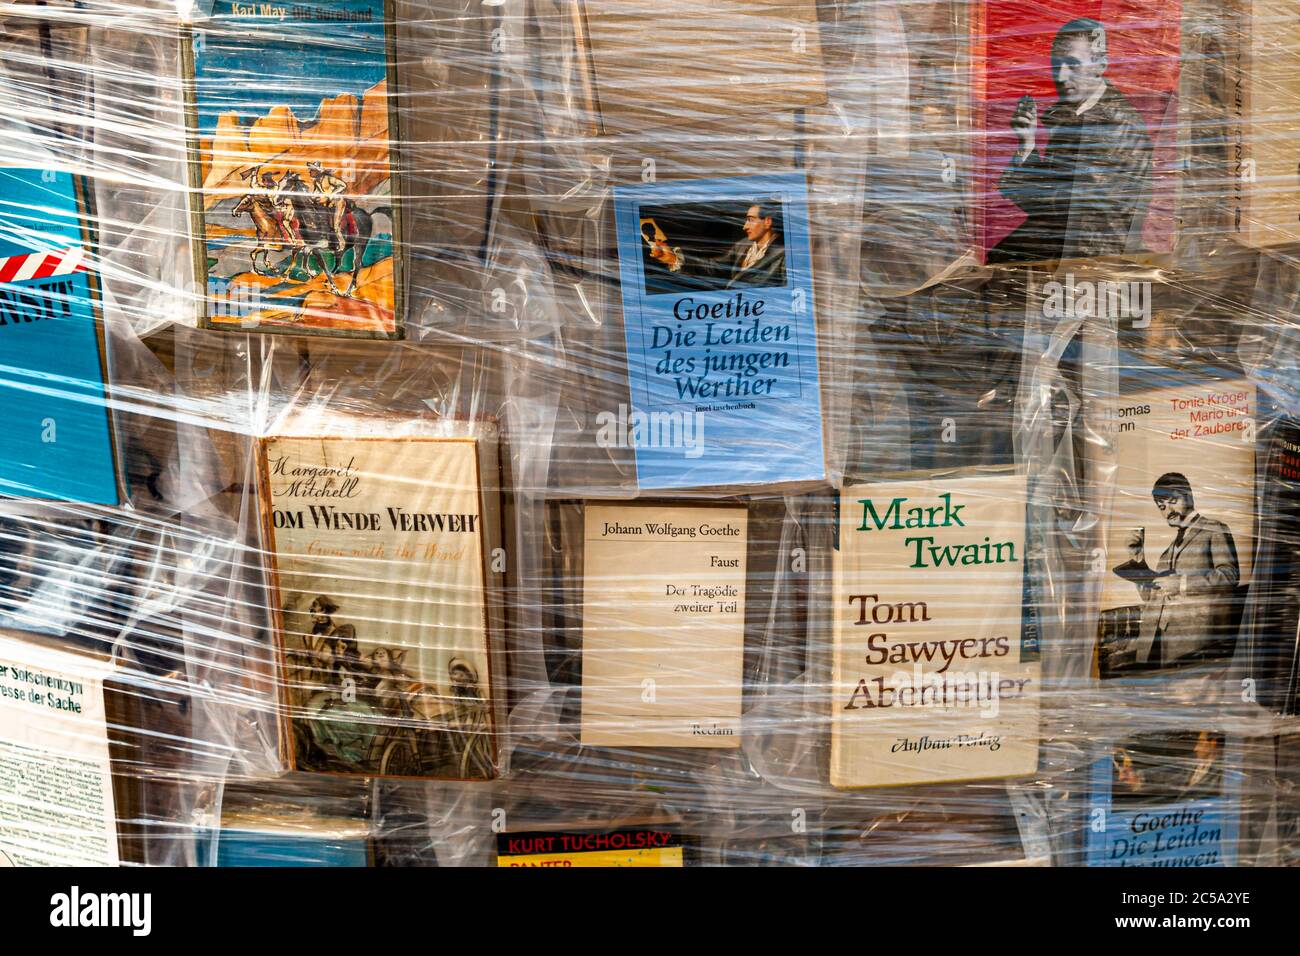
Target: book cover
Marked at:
690, 63
1264, 100
626, 846
1271, 622
380, 581
1164, 800
58, 805
1180, 536
936, 665
663, 624
79, 576
58, 440
292, 159
284, 837
720, 321
954, 353
1076, 116
934, 826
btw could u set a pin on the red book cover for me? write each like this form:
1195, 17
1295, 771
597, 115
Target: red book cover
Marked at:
1076, 106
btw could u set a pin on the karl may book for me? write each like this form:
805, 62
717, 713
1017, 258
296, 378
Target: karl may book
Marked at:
663, 624
1180, 535
695, 61
1076, 116
384, 576
62, 789
936, 668
292, 162
1264, 100
649, 845
1165, 800
719, 315
58, 440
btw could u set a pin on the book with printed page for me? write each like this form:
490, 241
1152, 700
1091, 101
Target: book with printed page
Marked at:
663, 624
383, 585
936, 674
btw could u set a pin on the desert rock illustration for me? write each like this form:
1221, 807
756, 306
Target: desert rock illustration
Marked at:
297, 282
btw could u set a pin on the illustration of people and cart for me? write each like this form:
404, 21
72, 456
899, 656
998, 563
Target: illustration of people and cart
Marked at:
356, 713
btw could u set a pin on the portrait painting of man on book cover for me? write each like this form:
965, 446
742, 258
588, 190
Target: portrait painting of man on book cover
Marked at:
714, 246
1171, 799
1079, 110
720, 319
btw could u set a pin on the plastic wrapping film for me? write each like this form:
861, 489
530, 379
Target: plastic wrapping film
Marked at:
587, 432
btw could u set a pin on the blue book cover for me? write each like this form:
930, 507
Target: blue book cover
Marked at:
57, 443
720, 320
1165, 800
333, 844
292, 161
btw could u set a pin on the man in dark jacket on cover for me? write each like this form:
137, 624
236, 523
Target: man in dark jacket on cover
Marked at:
758, 260
1087, 193
1188, 602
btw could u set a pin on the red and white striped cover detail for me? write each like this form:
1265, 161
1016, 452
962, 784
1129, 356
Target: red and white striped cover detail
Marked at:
42, 265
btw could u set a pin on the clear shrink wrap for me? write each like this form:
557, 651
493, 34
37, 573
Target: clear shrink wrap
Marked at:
602, 433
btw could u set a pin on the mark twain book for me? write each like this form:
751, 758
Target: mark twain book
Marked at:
57, 442
663, 624
292, 140
381, 547
1264, 99
936, 672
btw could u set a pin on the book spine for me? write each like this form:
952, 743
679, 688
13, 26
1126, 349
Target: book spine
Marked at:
1274, 626
194, 194
1241, 166
977, 81
271, 588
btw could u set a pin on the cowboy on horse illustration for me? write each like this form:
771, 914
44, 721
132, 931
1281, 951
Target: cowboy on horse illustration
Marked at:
273, 216
332, 193
309, 220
